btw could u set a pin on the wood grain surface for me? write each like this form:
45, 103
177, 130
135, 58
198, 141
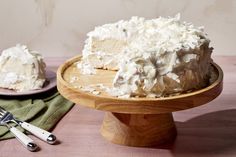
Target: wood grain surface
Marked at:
68, 88
139, 129
205, 131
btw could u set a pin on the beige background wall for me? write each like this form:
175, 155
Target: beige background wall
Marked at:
58, 27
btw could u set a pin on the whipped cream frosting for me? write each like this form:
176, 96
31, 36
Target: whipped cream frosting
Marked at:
154, 57
21, 69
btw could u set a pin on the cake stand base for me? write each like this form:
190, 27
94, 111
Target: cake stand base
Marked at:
138, 129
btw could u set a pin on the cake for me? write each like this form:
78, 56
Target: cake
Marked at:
153, 58
21, 69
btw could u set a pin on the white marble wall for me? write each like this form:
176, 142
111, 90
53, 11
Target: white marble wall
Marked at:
58, 27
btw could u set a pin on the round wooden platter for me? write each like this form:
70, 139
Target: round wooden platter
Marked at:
131, 121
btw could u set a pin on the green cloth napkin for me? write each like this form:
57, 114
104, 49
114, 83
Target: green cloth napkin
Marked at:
43, 112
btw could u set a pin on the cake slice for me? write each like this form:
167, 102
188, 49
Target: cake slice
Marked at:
21, 69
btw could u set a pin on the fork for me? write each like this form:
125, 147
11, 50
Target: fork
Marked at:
25, 140
38, 132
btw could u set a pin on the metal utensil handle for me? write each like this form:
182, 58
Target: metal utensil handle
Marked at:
25, 140
40, 133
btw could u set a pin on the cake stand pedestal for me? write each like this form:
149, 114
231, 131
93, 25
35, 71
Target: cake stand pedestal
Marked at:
138, 129
133, 121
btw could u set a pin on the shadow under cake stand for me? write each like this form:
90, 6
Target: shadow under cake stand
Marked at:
132, 121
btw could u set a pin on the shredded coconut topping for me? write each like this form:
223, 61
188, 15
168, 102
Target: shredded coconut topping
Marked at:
21, 69
153, 57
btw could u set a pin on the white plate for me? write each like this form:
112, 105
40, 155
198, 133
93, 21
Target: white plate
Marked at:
50, 83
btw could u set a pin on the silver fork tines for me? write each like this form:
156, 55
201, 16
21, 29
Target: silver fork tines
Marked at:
5, 116
2, 112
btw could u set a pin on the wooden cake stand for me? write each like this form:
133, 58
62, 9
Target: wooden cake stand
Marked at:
133, 121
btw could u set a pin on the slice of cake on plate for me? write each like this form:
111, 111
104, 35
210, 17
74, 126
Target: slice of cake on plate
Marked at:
153, 58
21, 69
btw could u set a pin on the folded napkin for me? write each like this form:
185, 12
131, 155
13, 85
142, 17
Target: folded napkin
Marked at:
40, 111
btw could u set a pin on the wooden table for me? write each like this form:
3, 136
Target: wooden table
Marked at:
208, 130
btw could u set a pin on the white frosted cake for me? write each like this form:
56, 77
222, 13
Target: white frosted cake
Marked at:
153, 58
21, 69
